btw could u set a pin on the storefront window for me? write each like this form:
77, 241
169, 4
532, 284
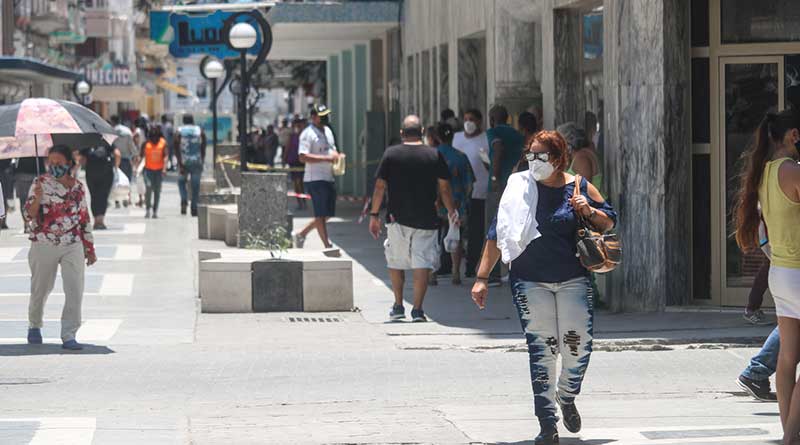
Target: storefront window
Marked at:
701, 102
748, 21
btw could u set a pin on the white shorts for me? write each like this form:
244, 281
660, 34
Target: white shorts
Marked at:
784, 284
408, 248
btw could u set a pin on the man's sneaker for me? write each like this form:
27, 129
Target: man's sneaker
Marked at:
155, 215
755, 317
193, 211
759, 389
570, 414
418, 316
547, 436
147, 214
398, 312
184, 204
72, 345
34, 336
299, 240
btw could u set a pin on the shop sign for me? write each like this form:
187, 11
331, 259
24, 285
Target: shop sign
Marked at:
108, 76
187, 35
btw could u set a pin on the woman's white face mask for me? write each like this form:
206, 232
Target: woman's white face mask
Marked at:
539, 165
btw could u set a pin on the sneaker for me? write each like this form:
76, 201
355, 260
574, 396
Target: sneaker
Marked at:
184, 204
547, 436
299, 240
755, 317
398, 312
418, 316
155, 215
34, 336
193, 212
72, 345
759, 389
116, 204
100, 227
147, 214
570, 414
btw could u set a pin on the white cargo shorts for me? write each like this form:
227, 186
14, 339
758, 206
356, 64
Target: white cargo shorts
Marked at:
408, 248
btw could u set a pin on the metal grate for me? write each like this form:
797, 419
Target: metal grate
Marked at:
313, 319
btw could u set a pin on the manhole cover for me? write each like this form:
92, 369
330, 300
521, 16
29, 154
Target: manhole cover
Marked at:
313, 319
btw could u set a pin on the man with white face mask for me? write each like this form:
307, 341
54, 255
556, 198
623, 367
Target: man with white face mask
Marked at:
474, 143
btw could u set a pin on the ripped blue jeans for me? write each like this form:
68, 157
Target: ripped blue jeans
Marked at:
556, 318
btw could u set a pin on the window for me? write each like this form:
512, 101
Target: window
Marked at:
748, 21
701, 102
700, 23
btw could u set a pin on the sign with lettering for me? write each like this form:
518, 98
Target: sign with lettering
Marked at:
197, 34
108, 76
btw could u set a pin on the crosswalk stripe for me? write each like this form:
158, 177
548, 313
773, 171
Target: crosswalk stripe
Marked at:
60, 430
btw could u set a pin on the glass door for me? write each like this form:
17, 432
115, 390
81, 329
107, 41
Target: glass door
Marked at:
750, 87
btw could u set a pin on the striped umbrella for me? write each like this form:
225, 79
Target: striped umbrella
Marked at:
29, 128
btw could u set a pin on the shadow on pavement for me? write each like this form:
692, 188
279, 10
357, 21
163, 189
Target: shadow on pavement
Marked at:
566, 441
18, 350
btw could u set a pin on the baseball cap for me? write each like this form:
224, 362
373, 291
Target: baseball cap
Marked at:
320, 110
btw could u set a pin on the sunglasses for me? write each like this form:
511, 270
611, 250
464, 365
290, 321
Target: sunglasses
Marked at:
532, 156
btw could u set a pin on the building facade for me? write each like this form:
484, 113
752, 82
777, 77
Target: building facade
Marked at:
678, 87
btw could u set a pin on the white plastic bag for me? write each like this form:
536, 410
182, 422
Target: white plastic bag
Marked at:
122, 186
453, 237
140, 186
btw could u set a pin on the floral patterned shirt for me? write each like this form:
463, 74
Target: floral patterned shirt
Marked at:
63, 216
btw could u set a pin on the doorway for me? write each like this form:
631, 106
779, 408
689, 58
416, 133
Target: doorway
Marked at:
750, 87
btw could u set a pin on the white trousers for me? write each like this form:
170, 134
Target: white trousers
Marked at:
44, 259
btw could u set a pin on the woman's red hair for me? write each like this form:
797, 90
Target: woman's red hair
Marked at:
557, 145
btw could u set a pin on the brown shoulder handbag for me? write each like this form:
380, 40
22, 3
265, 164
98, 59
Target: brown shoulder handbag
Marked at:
598, 252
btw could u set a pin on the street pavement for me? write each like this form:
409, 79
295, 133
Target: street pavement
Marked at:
159, 372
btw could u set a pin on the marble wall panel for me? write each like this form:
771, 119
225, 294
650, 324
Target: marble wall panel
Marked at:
425, 84
444, 76
471, 74
515, 56
262, 205
567, 66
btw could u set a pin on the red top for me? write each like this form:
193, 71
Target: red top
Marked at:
63, 216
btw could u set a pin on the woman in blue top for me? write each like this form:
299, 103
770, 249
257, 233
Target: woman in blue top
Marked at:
550, 288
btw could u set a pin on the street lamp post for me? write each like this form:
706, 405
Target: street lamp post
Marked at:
242, 37
212, 69
81, 88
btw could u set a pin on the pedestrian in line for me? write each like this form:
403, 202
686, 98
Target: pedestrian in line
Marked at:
291, 158
752, 312
190, 148
7, 183
139, 130
59, 220
284, 137
318, 152
99, 163
462, 180
585, 161
155, 155
449, 116
528, 127
270, 145
25, 170
771, 178
550, 287
129, 154
473, 142
168, 132
414, 175
755, 377
432, 137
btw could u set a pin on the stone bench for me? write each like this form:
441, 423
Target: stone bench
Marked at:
250, 281
210, 199
218, 216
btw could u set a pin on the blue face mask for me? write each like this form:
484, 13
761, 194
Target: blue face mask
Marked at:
58, 171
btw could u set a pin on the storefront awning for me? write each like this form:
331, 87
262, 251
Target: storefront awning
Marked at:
302, 31
28, 69
126, 93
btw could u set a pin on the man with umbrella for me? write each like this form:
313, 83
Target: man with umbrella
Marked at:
56, 209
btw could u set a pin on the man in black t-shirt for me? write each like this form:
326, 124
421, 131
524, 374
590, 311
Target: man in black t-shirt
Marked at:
414, 175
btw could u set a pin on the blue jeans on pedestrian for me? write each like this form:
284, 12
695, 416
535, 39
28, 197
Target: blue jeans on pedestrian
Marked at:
556, 318
195, 170
763, 364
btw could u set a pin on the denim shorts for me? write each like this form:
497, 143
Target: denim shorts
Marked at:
323, 198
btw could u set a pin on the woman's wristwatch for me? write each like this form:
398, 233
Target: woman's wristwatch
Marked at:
486, 279
375, 214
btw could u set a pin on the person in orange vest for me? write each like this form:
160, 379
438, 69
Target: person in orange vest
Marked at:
154, 154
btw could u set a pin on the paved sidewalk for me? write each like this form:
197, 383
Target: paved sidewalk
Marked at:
161, 373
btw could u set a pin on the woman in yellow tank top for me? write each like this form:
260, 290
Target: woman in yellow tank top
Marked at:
771, 177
